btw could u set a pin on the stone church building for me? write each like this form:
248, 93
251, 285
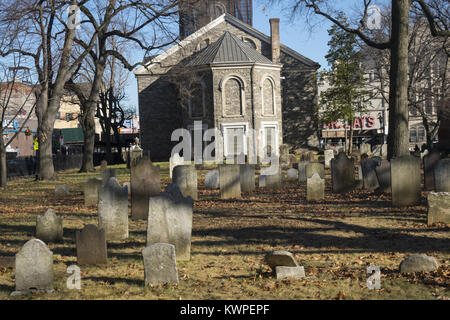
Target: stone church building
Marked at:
231, 77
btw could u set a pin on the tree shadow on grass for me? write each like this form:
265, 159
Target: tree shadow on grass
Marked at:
113, 280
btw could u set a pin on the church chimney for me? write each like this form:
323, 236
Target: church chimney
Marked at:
275, 39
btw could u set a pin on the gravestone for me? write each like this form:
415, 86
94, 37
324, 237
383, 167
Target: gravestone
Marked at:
418, 263
383, 172
284, 156
329, 154
145, 183
247, 177
128, 185
91, 246
106, 174
113, 210
280, 258
170, 221
315, 167
292, 175
368, 166
175, 160
290, 273
342, 174
429, 162
405, 181
49, 227
384, 151
315, 188
364, 148
136, 153
230, 181
63, 190
185, 176
212, 180
34, 268
438, 207
103, 164
160, 265
302, 171
262, 180
442, 176
90, 191
273, 181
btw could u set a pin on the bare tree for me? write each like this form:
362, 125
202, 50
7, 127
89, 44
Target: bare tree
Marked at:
435, 12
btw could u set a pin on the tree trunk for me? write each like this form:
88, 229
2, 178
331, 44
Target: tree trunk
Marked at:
89, 143
3, 164
350, 142
398, 136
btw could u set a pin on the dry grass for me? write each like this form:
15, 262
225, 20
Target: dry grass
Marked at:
336, 240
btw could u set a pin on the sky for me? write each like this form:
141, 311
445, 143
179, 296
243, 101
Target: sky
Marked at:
294, 33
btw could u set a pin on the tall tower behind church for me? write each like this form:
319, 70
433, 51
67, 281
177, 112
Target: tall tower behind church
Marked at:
195, 14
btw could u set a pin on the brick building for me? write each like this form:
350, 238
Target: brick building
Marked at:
231, 77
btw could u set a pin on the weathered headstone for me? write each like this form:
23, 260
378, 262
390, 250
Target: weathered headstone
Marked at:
289, 273
247, 177
342, 174
280, 258
438, 207
364, 148
230, 181
91, 191
368, 166
429, 162
145, 183
284, 156
34, 268
103, 164
160, 265
262, 181
273, 181
49, 227
212, 180
113, 210
185, 176
302, 171
315, 167
62, 190
170, 220
91, 246
175, 160
315, 188
405, 181
106, 174
383, 172
329, 154
442, 176
128, 185
418, 263
136, 153
292, 175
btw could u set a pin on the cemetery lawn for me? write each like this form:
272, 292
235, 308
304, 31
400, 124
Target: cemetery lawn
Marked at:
335, 240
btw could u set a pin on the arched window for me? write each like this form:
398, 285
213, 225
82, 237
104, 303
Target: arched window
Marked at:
203, 44
417, 134
250, 42
268, 97
233, 96
197, 100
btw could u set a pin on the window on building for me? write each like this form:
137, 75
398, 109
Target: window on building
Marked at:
417, 134
232, 97
250, 42
268, 97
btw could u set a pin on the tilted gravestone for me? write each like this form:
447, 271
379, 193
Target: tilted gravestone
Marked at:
315, 188
90, 191
368, 166
383, 172
212, 180
438, 207
315, 167
429, 162
34, 268
106, 174
170, 220
342, 174
329, 154
113, 210
91, 246
160, 265
230, 181
247, 177
145, 183
405, 180
302, 171
185, 177
442, 176
292, 175
175, 160
49, 227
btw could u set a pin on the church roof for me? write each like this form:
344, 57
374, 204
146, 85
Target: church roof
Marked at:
228, 49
